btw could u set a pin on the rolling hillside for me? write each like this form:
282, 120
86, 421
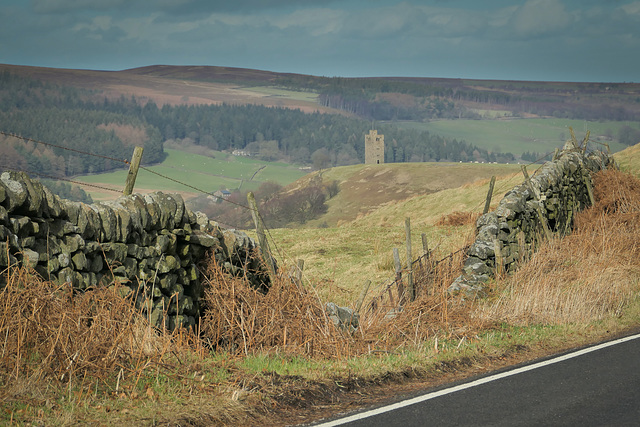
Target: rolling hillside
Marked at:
365, 220
360, 245
365, 188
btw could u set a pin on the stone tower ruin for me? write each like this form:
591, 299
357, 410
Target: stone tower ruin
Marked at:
373, 148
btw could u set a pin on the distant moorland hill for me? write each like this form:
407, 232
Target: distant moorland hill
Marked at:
303, 120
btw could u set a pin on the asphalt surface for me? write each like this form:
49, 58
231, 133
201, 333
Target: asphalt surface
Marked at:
597, 386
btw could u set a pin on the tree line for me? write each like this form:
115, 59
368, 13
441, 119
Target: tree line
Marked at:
444, 98
87, 121
278, 207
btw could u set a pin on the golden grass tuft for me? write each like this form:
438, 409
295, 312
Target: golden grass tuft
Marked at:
289, 319
458, 218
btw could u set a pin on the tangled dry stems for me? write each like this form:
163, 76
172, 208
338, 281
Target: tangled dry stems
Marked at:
290, 319
50, 336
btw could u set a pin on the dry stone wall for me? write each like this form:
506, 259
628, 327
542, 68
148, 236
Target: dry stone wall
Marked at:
545, 204
150, 243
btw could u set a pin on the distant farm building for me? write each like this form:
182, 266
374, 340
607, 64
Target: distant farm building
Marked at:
373, 148
220, 195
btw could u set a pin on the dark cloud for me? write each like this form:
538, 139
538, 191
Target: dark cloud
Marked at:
532, 39
77, 6
251, 6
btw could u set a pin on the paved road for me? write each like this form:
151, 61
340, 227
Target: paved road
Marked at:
598, 386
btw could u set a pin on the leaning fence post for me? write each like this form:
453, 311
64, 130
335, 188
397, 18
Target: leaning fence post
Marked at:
398, 266
587, 182
362, 296
410, 284
133, 171
425, 246
399, 284
262, 237
487, 204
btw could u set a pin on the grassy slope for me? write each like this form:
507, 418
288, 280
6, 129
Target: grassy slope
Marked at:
365, 188
366, 219
629, 159
339, 259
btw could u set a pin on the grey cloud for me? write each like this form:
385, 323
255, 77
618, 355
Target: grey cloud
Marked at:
75, 6
541, 18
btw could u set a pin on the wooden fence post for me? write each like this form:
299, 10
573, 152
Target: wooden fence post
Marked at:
363, 294
133, 171
262, 237
396, 260
587, 182
410, 284
497, 247
399, 284
425, 246
487, 204
427, 266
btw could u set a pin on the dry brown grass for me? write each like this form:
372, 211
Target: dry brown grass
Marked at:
59, 347
586, 276
289, 319
433, 313
458, 218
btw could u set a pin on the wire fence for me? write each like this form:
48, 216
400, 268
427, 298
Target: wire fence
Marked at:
385, 286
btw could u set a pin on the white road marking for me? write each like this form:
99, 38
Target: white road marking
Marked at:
475, 383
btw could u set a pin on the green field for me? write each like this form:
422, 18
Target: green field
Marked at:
520, 135
206, 173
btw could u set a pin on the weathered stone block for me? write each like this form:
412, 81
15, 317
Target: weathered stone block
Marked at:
168, 263
79, 260
30, 258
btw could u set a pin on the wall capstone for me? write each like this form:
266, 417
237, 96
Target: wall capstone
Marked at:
150, 243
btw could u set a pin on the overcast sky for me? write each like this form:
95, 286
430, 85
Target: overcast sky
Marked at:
550, 40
